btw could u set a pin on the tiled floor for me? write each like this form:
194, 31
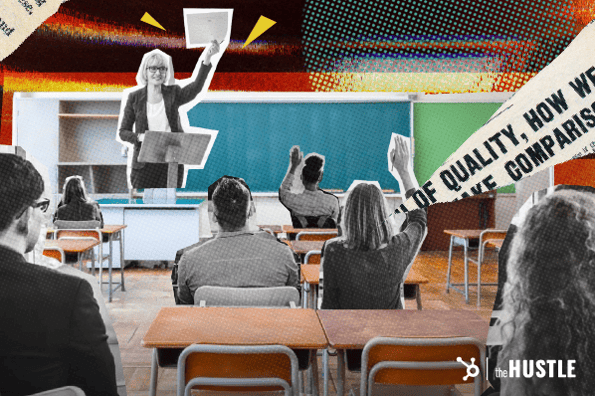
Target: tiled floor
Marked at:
148, 290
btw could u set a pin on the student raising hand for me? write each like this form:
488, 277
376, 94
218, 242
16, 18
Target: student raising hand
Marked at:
295, 157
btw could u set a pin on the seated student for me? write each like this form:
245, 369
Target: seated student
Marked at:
75, 204
210, 191
237, 256
51, 331
364, 268
549, 298
313, 207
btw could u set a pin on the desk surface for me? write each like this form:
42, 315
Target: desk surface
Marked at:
311, 274
290, 230
354, 328
107, 228
303, 247
466, 234
72, 245
497, 243
179, 327
277, 229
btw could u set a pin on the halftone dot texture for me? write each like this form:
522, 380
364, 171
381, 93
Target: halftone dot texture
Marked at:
434, 46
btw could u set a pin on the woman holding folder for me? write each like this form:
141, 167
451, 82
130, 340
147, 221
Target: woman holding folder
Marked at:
155, 107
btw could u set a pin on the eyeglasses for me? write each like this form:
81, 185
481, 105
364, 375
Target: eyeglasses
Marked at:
153, 69
43, 204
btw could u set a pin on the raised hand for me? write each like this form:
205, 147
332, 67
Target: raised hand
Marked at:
295, 156
211, 50
400, 155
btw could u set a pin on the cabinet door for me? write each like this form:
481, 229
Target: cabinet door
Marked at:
36, 130
157, 234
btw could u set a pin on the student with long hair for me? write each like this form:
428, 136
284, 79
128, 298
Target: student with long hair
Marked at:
75, 204
549, 299
364, 268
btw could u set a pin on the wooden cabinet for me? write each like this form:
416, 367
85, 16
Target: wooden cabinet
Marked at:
74, 134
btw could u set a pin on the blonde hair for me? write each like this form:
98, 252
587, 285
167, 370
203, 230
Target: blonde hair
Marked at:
158, 59
365, 214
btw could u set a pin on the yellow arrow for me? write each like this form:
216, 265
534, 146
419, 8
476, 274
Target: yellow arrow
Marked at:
261, 26
151, 21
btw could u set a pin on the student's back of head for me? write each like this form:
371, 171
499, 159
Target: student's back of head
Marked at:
549, 297
365, 214
74, 191
20, 186
313, 168
231, 201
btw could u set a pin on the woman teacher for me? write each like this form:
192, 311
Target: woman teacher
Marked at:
155, 107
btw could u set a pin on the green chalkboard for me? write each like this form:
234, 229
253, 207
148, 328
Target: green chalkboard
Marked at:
441, 128
255, 138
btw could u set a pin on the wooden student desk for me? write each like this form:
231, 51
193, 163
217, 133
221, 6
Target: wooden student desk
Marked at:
303, 247
111, 233
292, 232
463, 238
73, 246
352, 329
311, 276
179, 327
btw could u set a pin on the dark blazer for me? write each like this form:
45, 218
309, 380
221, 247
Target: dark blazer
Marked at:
79, 211
135, 112
51, 332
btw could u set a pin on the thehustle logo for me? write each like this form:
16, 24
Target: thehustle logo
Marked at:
537, 368
472, 369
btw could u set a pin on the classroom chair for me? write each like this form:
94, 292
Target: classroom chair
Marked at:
312, 221
421, 362
282, 296
64, 391
315, 236
55, 253
78, 231
237, 368
313, 257
486, 237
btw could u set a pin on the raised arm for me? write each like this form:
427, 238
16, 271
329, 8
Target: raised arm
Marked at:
295, 158
190, 91
414, 229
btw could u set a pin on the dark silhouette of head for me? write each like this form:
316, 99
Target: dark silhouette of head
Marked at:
231, 201
74, 190
313, 169
20, 186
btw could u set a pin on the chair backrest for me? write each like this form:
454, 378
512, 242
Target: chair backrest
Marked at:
313, 221
77, 225
315, 236
421, 361
312, 257
79, 234
64, 391
282, 296
238, 368
55, 252
488, 235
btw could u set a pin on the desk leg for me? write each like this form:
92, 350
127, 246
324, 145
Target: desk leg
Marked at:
154, 373
449, 263
314, 372
122, 263
418, 296
325, 371
340, 371
466, 272
111, 262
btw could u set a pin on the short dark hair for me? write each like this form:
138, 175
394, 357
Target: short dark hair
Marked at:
231, 200
20, 186
312, 168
